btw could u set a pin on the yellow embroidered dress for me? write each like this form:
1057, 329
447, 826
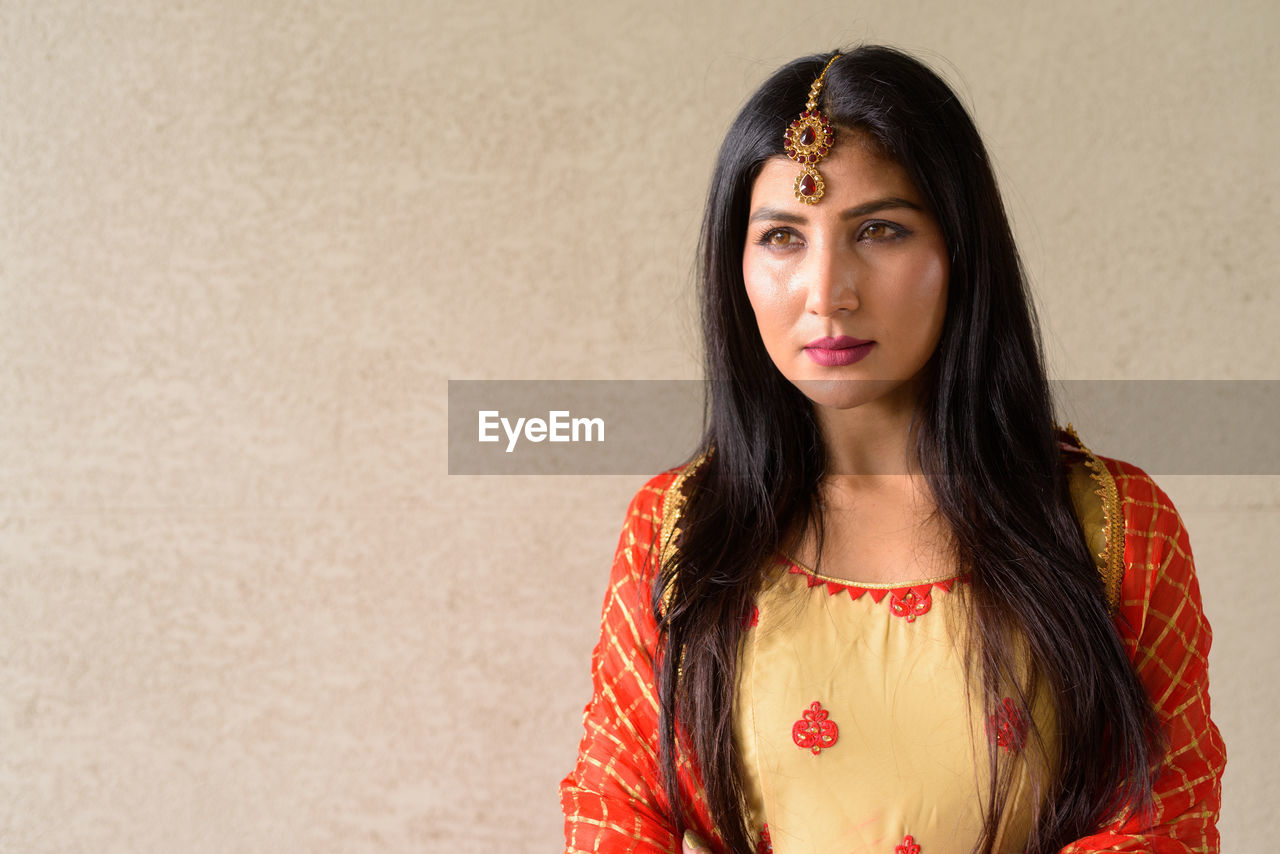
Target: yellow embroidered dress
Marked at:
856, 724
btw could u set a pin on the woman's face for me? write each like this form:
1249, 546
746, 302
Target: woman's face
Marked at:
850, 293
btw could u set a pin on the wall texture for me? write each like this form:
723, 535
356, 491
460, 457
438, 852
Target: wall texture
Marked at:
243, 246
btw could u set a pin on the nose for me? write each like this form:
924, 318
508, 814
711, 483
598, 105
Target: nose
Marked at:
831, 278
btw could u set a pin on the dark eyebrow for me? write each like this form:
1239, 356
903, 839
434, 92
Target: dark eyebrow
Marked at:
879, 205
886, 203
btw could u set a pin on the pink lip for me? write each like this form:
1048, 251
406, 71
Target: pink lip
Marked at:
839, 351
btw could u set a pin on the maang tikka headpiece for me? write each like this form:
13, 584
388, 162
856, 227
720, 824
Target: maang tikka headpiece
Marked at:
807, 140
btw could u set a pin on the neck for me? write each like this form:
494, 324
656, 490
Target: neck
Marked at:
870, 440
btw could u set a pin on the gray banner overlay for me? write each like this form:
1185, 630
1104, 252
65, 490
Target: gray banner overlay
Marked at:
641, 427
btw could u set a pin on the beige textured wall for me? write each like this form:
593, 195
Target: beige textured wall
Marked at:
242, 248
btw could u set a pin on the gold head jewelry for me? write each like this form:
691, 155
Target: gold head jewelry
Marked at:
807, 140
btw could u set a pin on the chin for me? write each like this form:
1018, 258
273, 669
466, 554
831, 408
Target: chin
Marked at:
845, 394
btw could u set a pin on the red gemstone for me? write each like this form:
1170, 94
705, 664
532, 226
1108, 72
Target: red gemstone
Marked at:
808, 186
808, 137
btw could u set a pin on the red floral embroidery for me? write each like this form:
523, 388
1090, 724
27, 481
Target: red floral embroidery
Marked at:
1008, 726
908, 846
910, 604
906, 602
815, 730
751, 619
765, 845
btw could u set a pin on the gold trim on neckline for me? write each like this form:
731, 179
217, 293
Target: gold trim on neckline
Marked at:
849, 582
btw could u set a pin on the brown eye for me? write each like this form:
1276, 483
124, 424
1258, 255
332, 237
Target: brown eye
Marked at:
876, 232
778, 237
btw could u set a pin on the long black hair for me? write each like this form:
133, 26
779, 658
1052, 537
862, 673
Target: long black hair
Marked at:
985, 441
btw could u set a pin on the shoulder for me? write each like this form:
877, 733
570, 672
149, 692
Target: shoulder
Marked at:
1145, 558
1134, 492
654, 511
648, 503
660, 501
1129, 522
1160, 578
1147, 508
1149, 523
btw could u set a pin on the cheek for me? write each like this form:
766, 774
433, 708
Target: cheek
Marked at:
768, 298
926, 300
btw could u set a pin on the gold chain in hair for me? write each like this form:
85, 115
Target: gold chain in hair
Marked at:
807, 140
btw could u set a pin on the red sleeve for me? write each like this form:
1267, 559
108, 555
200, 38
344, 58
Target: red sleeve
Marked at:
1165, 633
613, 799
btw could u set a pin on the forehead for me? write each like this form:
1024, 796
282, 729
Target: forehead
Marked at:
855, 171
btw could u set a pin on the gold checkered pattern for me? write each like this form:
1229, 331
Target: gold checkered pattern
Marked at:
612, 800
1167, 637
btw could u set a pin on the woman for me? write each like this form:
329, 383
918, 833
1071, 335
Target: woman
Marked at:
888, 606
